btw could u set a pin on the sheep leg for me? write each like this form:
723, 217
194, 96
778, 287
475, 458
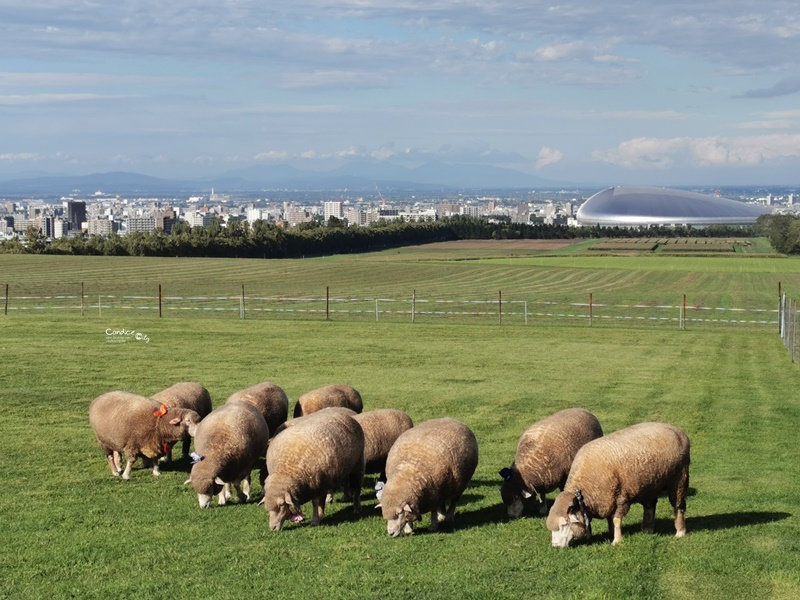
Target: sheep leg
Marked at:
126, 474
451, 512
435, 513
354, 484
542, 504
677, 497
616, 521
112, 458
243, 489
318, 509
649, 518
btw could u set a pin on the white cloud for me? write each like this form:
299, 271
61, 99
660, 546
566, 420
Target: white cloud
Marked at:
548, 156
272, 156
19, 156
36, 99
712, 151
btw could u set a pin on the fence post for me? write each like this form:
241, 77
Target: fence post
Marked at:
526, 312
414, 306
782, 317
500, 307
327, 302
82, 303
376, 310
99, 305
780, 309
159, 300
241, 305
591, 309
683, 313
5, 310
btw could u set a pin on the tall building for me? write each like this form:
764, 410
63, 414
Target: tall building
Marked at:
332, 209
141, 224
75, 214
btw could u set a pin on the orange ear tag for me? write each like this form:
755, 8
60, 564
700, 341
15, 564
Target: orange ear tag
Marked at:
162, 410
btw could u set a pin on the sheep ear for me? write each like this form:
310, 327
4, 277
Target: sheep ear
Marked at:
175, 421
218, 481
288, 500
407, 508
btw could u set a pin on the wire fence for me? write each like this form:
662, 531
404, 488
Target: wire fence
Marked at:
413, 308
788, 321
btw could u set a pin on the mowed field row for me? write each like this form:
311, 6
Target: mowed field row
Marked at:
735, 282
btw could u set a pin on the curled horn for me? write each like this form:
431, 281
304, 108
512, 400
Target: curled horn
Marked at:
584, 514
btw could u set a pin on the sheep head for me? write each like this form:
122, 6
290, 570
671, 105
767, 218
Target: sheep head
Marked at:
568, 519
512, 491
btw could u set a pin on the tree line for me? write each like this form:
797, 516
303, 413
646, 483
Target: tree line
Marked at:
263, 239
782, 231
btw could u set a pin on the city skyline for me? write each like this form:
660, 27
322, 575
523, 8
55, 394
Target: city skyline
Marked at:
669, 94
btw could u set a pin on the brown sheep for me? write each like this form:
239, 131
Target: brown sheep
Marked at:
307, 460
268, 398
329, 395
428, 467
137, 426
381, 428
632, 465
544, 455
228, 443
185, 394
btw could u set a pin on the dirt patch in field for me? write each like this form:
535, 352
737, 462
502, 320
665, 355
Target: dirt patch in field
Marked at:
529, 245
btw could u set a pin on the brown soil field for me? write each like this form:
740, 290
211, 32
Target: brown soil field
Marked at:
500, 245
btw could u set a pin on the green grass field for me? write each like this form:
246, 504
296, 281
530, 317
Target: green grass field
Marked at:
69, 529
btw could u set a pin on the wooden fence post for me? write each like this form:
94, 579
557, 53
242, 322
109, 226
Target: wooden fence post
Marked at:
241, 305
82, 303
683, 321
5, 310
159, 301
500, 307
414, 306
591, 309
327, 302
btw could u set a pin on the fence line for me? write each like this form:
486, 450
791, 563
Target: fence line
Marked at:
788, 321
412, 308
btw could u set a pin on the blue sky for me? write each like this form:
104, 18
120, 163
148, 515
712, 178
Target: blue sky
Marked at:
616, 92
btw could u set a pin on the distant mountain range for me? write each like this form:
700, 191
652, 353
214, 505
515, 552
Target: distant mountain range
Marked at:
352, 176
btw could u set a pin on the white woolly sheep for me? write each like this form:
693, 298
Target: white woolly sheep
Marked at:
137, 426
632, 465
307, 460
228, 444
428, 467
185, 394
381, 428
268, 398
329, 395
544, 455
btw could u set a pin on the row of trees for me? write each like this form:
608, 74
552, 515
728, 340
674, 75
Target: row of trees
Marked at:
263, 239
782, 231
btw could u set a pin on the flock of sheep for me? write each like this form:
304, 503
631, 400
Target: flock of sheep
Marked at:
331, 443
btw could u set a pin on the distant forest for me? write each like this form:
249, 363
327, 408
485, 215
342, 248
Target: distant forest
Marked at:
262, 239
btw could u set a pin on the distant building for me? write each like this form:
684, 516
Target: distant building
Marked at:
141, 225
332, 209
295, 216
75, 214
102, 227
198, 219
355, 216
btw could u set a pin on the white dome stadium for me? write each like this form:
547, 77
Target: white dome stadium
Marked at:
643, 206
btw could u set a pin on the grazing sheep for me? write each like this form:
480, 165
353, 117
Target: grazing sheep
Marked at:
185, 394
307, 460
632, 465
137, 426
544, 456
381, 428
268, 398
428, 467
228, 443
329, 395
